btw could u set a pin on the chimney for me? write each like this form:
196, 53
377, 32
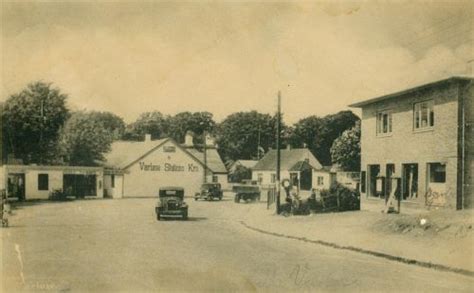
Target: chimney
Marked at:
188, 139
147, 137
210, 140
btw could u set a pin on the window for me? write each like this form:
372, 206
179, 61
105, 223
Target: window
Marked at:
320, 180
423, 115
384, 122
273, 178
260, 178
43, 182
437, 172
112, 181
169, 149
215, 179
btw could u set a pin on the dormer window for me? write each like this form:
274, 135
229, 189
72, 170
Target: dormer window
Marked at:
384, 123
423, 115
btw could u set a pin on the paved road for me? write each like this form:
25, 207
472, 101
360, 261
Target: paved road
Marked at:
108, 245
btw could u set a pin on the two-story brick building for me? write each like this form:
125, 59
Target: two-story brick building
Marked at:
424, 136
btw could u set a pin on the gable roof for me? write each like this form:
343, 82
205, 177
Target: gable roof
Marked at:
301, 166
288, 159
124, 153
408, 91
213, 159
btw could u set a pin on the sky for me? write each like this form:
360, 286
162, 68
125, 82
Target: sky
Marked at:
224, 57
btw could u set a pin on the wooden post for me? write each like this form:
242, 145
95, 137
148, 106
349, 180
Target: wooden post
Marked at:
278, 187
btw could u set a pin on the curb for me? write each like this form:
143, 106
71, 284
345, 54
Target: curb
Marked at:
390, 257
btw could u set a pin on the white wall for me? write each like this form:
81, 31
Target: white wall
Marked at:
99, 184
55, 178
221, 178
141, 180
266, 179
328, 180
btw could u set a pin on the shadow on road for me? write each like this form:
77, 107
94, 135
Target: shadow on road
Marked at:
190, 219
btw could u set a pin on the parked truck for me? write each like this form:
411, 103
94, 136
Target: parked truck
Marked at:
246, 192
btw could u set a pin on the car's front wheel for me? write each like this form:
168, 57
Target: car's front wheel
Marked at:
185, 215
158, 216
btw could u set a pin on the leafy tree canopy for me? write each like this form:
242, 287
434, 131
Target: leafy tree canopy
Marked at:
345, 150
113, 123
31, 122
318, 134
240, 135
153, 123
85, 139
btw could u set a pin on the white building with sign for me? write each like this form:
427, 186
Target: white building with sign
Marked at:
140, 169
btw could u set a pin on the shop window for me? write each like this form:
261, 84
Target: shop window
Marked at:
320, 180
423, 115
437, 172
384, 122
43, 182
273, 178
112, 181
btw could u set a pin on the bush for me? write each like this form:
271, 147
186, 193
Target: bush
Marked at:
340, 198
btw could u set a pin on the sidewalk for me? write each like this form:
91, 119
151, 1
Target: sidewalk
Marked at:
445, 238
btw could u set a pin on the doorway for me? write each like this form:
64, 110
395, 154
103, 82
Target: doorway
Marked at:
374, 171
16, 185
390, 170
410, 181
306, 179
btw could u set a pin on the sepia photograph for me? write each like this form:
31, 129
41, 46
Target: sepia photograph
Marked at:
237, 146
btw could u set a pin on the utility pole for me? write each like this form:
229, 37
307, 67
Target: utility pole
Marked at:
258, 144
278, 155
204, 133
41, 130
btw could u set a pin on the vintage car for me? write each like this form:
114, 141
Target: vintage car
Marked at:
246, 192
171, 203
209, 191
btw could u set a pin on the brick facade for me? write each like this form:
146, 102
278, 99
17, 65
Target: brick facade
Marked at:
412, 152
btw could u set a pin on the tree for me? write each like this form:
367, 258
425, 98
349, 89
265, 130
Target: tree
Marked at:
197, 122
85, 139
318, 134
113, 123
153, 123
345, 150
31, 122
240, 173
240, 134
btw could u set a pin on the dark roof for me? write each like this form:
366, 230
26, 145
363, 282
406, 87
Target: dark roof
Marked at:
301, 166
289, 158
410, 90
